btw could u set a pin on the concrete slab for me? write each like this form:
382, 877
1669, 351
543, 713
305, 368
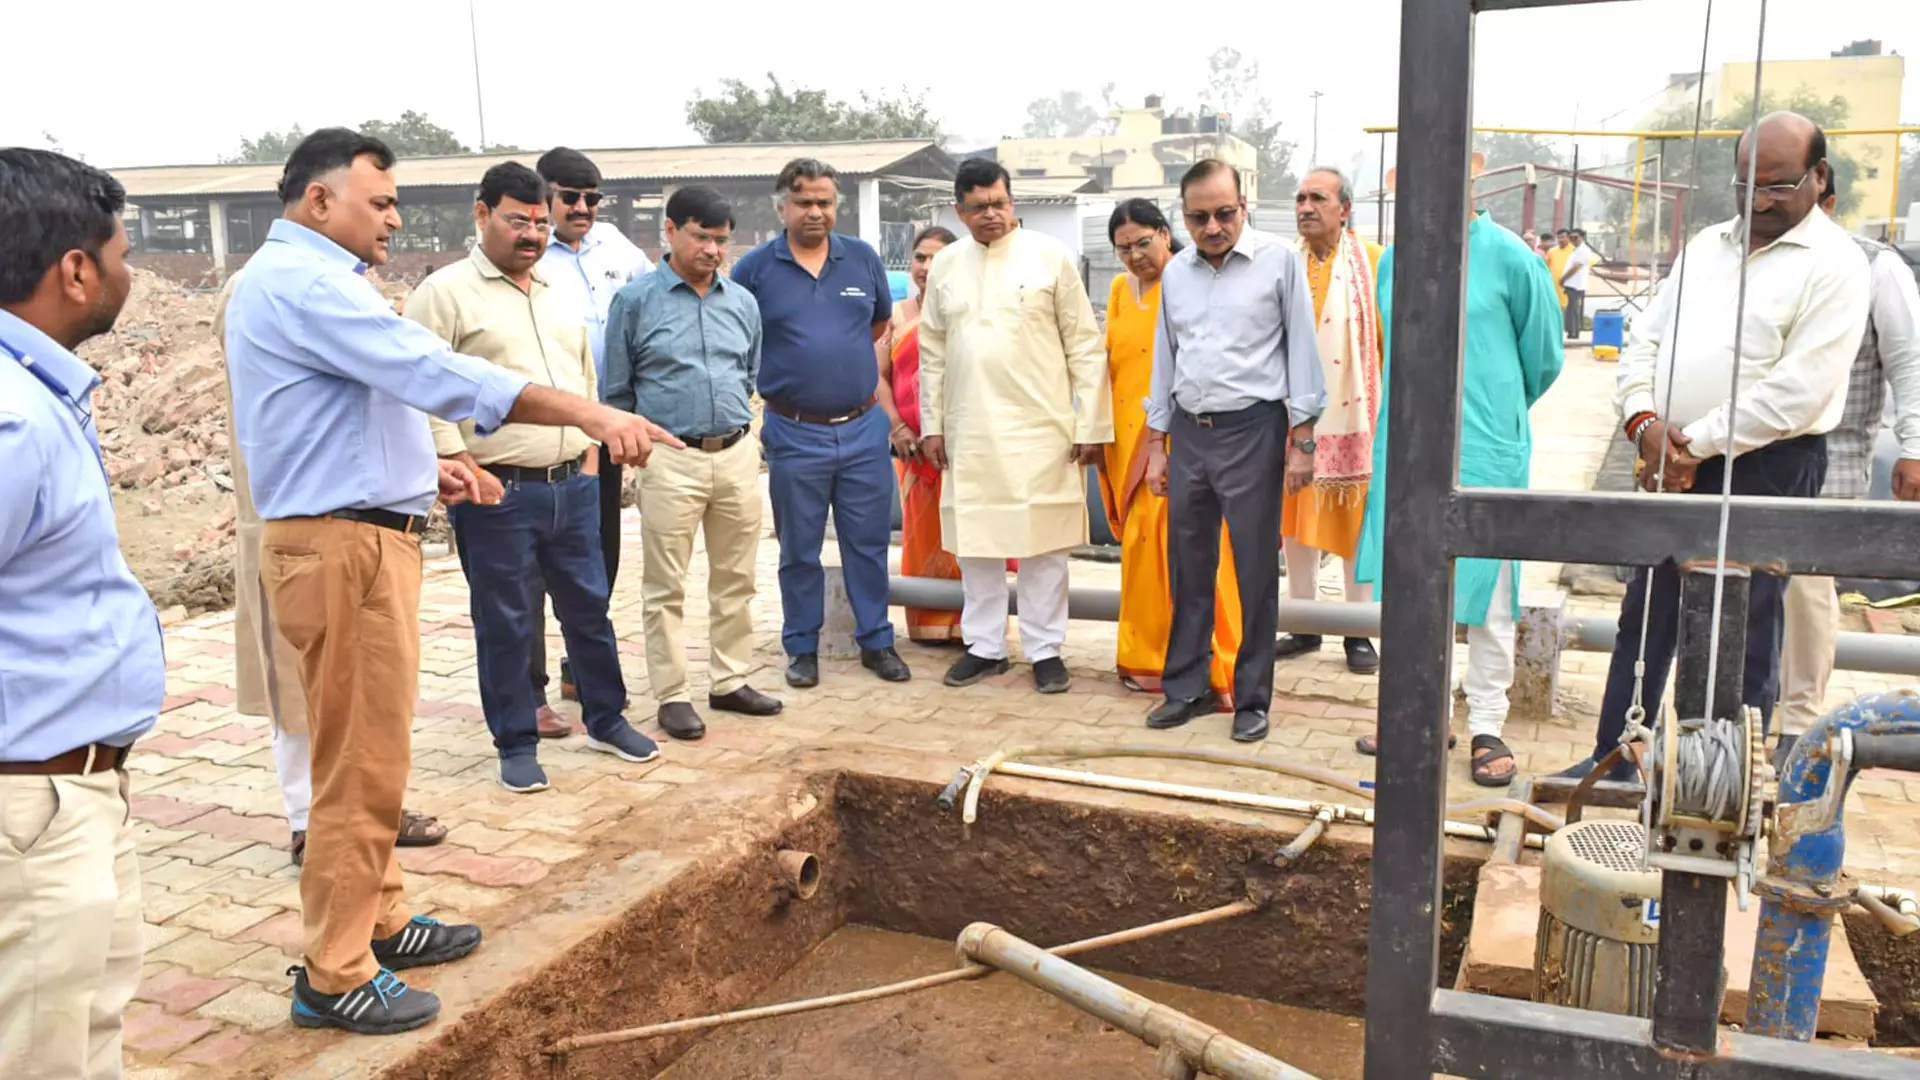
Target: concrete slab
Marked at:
1506, 922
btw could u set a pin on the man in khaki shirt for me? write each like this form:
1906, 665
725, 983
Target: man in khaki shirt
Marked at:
538, 521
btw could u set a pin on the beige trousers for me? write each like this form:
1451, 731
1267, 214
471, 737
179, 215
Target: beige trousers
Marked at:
684, 492
70, 925
348, 594
1806, 657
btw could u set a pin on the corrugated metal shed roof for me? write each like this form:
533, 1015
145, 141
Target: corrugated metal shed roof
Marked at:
718, 162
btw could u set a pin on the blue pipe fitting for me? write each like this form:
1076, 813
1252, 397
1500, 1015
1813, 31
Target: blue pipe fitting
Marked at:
1800, 895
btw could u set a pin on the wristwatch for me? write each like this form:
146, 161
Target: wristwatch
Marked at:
1305, 445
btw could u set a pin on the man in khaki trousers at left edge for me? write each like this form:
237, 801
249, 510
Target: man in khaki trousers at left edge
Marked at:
82, 672
266, 665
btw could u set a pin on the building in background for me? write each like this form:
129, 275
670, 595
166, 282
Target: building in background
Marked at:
1143, 154
197, 223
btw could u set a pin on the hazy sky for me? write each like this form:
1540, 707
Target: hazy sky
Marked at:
181, 82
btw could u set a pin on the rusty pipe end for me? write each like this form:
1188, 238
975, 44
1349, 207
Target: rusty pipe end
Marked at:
801, 872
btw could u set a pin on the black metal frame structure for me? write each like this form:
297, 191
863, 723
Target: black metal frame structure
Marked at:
1415, 1028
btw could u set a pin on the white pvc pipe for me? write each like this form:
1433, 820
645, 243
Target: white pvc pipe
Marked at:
1277, 803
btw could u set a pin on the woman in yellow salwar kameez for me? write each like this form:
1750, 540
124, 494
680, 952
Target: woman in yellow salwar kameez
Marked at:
1139, 233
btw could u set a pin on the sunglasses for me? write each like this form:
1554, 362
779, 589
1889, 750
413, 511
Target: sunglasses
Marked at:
570, 197
1222, 216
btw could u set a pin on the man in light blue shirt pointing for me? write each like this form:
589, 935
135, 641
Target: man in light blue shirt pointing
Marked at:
328, 390
81, 670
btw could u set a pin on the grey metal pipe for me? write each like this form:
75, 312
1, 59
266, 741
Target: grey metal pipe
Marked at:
1886, 654
1202, 1046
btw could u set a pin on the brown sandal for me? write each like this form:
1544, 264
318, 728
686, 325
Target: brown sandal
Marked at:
1369, 744
419, 830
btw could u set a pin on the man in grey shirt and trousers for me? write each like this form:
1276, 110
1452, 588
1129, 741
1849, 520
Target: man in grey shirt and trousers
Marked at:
1237, 383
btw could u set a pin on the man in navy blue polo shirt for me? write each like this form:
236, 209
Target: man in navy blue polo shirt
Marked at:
824, 300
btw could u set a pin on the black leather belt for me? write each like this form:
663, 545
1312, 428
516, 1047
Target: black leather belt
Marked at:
98, 757
820, 418
411, 524
1231, 419
713, 444
521, 474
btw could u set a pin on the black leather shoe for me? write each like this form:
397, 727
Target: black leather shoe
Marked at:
803, 671
886, 663
1050, 676
1171, 713
970, 669
745, 700
1250, 725
678, 719
1361, 659
1295, 645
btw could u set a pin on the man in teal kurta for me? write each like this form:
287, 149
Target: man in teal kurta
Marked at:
1513, 355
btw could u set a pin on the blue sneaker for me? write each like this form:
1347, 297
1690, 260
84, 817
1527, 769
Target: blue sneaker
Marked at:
625, 743
425, 941
383, 1005
522, 774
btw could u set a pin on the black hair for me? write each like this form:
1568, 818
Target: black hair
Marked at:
805, 168
933, 232
1204, 168
324, 151
1817, 147
1832, 190
511, 180
50, 204
701, 205
568, 167
1581, 233
979, 172
1141, 212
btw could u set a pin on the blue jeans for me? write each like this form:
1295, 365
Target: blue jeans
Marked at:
812, 468
539, 536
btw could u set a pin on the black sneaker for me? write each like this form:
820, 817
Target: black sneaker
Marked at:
1295, 645
1050, 676
886, 663
383, 1005
803, 670
970, 669
1361, 657
425, 941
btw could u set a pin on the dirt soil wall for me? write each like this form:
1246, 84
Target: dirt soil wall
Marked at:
1892, 968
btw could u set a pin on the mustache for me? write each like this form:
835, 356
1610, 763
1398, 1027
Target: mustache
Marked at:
526, 245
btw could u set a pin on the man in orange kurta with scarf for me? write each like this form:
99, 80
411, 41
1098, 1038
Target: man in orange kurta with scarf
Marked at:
1326, 516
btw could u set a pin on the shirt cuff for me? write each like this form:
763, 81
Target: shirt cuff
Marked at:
1159, 417
1303, 412
1637, 402
499, 389
1703, 442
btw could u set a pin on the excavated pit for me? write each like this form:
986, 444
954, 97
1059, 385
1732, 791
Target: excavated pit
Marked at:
898, 883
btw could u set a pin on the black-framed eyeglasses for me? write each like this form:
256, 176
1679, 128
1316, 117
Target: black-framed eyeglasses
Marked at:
570, 196
1222, 216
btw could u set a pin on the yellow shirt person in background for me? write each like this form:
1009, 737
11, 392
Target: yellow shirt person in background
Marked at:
1557, 263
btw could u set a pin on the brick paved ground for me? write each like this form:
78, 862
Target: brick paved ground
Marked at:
223, 902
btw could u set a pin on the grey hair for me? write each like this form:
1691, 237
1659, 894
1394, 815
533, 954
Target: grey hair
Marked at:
1346, 186
805, 168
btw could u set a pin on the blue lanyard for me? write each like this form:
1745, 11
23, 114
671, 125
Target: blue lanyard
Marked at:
82, 415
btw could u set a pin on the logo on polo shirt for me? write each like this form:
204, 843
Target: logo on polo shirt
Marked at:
855, 292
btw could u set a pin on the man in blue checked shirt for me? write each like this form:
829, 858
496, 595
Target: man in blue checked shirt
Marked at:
81, 670
328, 390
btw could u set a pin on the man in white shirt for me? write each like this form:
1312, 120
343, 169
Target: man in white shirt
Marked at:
1806, 312
587, 260
1573, 281
1889, 356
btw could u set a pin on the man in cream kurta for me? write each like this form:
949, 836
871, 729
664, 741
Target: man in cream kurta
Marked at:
1014, 405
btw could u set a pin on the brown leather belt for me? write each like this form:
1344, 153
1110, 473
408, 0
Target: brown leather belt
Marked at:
816, 418
98, 757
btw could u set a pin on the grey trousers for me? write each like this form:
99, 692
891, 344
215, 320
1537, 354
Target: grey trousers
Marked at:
1231, 466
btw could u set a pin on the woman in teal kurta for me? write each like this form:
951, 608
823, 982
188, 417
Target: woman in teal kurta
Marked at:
1513, 355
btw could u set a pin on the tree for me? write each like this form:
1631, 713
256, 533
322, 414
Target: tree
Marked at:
1233, 82
1713, 200
742, 114
1067, 115
1503, 149
412, 135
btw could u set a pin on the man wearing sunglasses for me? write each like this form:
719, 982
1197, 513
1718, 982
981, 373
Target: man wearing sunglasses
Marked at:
1237, 385
587, 260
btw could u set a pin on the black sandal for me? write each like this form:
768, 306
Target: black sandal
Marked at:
1369, 744
1496, 752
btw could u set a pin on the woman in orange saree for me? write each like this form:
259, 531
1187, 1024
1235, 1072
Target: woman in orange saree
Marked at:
1138, 517
899, 354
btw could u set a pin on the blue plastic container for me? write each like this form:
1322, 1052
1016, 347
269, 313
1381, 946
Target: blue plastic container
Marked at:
1609, 329
899, 284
